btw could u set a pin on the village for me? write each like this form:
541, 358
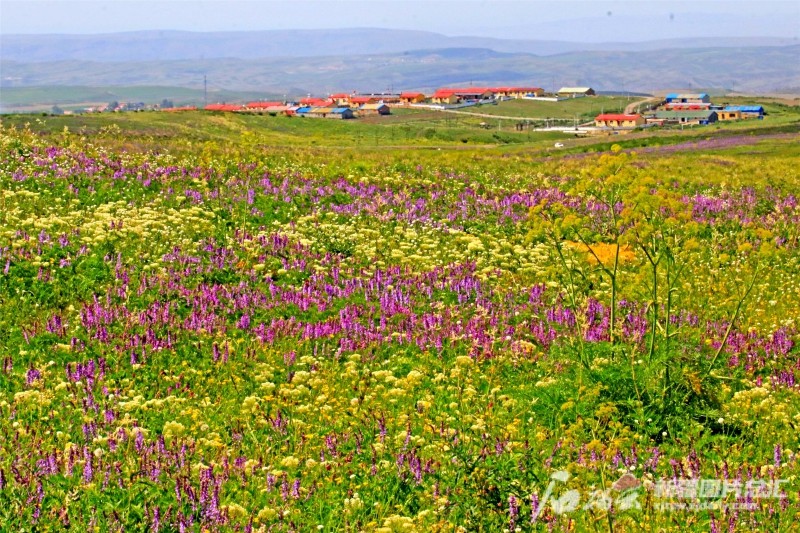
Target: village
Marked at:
674, 109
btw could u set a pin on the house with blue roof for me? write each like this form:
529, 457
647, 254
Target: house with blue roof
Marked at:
687, 98
330, 112
747, 111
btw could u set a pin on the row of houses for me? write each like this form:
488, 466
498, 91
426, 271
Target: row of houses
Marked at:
306, 107
682, 109
686, 117
379, 103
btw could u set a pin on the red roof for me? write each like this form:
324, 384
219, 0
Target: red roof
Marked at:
340, 95
516, 89
223, 107
364, 99
262, 105
468, 91
315, 102
611, 116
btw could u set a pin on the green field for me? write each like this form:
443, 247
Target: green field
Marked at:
584, 108
218, 322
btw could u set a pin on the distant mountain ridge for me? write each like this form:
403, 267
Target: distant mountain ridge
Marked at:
758, 70
167, 45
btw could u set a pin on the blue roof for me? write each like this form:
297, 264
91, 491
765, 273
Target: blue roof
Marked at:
745, 108
685, 95
305, 109
340, 109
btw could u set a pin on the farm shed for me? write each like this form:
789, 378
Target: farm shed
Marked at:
686, 117
611, 120
330, 112
374, 109
573, 92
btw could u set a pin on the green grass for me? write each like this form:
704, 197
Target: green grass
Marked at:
404, 129
201, 126
586, 107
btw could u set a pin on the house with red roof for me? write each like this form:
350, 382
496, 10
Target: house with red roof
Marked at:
411, 98
612, 120
457, 95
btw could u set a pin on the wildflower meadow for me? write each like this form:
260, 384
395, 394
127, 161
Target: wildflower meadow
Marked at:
260, 340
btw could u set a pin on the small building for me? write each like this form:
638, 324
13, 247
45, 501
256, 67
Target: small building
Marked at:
747, 111
411, 98
458, 95
722, 114
687, 98
341, 99
611, 120
516, 92
574, 92
330, 112
374, 109
445, 96
341, 113
686, 117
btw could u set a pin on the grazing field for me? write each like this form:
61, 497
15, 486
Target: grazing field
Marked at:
241, 323
584, 108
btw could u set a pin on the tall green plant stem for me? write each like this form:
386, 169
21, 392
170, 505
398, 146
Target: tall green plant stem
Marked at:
732, 322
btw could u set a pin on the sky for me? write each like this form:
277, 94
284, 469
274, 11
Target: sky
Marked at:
569, 20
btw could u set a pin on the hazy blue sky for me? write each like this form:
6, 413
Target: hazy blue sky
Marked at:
574, 20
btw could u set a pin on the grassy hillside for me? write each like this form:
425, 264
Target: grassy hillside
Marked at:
409, 129
583, 108
234, 323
